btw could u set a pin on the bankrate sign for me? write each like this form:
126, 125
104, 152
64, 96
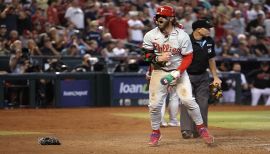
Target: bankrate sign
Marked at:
129, 87
75, 93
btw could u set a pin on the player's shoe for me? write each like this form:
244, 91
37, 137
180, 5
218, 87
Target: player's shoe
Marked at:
154, 139
163, 124
174, 124
186, 134
206, 136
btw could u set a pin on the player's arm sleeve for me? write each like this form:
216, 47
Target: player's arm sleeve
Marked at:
186, 61
187, 54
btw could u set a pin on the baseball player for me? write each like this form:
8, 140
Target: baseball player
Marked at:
169, 49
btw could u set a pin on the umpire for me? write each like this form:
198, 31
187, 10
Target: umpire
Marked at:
203, 58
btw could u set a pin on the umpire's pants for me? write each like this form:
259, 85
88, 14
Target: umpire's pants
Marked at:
200, 89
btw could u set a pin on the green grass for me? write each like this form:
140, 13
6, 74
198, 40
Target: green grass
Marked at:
244, 120
8, 133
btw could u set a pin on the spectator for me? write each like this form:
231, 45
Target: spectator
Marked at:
89, 64
119, 50
226, 51
229, 94
152, 7
267, 25
224, 67
93, 48
237, 24
107, 52
85, 66
57, 38
201, 12
19, 63
146, 20
47, 47
75, 15
253, 24
90, 12
4, 35
24, 22
261, 49
9, 17
3, 50
243, 50
187, 22
43, 4
254, 12
76, 40
61, 9
3, 31
135, 28
71, 51
38, 21
93, 32
106, 38
33, 48
115, 23
257, 46
13, 36
52, 12
260, 84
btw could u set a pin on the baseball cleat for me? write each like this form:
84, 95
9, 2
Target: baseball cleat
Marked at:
163, 124
173, 124
207, 138
154, 139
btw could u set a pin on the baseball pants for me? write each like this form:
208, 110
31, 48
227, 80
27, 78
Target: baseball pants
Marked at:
158, 94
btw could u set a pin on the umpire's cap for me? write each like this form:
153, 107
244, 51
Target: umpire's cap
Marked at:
202, 23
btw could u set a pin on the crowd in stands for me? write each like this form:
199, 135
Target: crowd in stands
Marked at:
115, 28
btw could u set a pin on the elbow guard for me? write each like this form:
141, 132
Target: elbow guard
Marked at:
149, 55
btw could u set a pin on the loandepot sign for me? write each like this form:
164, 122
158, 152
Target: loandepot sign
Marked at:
132, 88
75, 93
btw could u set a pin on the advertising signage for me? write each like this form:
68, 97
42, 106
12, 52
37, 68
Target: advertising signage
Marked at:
129, 90
75, 93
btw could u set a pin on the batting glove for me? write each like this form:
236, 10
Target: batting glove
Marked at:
168, 79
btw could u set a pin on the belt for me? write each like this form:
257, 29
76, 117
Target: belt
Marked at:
159, 68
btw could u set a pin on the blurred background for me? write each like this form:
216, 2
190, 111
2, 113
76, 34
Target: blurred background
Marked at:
69, 53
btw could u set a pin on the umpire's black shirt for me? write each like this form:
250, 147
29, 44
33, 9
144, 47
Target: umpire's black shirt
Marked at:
203, 50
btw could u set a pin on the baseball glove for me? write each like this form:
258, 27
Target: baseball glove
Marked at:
49, 141
215, 93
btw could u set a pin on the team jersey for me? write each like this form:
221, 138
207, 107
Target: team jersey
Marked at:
178, 43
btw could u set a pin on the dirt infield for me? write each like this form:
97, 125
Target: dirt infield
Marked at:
99, 130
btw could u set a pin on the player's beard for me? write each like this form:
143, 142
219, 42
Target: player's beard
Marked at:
162, 26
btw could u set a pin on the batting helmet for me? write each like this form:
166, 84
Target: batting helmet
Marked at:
165, 10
